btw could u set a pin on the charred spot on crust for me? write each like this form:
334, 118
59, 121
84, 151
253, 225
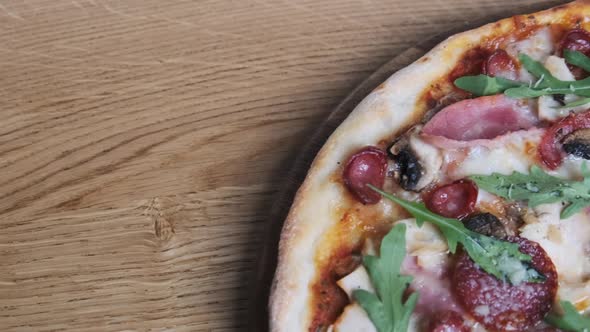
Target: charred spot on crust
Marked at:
409, 169
486, 224
578, 143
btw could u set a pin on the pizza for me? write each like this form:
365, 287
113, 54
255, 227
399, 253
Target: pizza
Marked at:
456, 196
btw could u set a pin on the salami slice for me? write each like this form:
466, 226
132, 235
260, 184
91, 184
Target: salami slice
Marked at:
367, 166
576, 40
501, 306
500, 64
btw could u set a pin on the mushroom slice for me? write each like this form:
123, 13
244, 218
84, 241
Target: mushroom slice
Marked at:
486, 224
417, 162
578, 143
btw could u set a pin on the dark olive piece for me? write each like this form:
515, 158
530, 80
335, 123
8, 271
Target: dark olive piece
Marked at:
409, 168
486, 224
560, 98
578, 143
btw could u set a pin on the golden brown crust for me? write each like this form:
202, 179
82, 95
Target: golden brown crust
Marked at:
383, 112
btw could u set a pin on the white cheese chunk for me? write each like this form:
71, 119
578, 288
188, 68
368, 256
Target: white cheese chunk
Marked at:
353, 319
558, 68
548, 108
357, 279
423, 241
538, 46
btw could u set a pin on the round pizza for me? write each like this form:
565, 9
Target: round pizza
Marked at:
456, 196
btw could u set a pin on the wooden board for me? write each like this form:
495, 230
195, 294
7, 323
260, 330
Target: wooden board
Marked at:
142, 145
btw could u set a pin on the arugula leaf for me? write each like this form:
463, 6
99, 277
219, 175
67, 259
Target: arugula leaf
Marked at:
577, 59
539, 188
547, 84
528, 92
538, 70
483, 85
571, 320
579, 102
499, 258
387, 310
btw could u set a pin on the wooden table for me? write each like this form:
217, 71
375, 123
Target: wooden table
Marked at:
142, 144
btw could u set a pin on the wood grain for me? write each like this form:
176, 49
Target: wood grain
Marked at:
142, 144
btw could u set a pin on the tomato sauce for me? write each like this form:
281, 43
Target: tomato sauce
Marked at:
330, 300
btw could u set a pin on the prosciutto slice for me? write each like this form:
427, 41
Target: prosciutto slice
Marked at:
481, 118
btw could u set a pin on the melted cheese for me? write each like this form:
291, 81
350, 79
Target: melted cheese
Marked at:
505, 155
538, 46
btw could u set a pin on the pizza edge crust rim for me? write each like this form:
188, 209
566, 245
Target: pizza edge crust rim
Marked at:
385, 110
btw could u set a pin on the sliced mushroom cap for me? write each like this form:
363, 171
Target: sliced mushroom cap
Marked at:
486, 224
578, 143
409, 169
417, 162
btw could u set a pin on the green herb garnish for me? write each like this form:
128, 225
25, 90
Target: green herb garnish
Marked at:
539, 188
387, 310
483, 85
577, 59
579, 102
571, 320
499, 258
546, 84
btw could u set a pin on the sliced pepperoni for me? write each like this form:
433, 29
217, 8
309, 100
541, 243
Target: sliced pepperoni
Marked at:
550, 148
448, 321
576, 40
470, 64
454, 200
367, 166
500, 64
501, 306
481, 118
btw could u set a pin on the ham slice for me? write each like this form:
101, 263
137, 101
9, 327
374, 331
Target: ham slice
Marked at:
481, 118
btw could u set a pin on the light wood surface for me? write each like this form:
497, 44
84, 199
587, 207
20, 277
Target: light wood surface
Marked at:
142, 144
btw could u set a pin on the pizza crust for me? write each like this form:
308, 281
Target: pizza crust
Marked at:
385, 111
